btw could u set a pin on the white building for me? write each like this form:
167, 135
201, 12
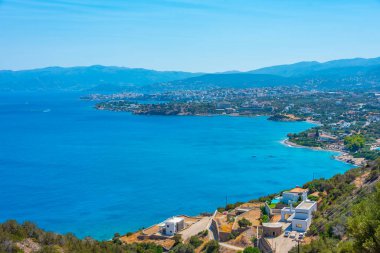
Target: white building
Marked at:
173, 225
294, 195
301, 216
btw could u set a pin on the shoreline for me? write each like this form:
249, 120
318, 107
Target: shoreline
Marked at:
342, 156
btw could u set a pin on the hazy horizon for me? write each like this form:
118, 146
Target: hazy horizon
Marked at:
176, 70
185, 35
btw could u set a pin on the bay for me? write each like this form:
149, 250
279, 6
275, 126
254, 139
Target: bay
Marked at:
71, 168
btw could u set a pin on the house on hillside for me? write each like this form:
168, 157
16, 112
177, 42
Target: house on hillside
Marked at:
173, 225
294, 195
301, 216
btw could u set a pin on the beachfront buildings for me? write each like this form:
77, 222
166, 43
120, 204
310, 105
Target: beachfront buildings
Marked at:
173, 225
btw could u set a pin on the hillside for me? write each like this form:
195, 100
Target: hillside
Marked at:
351, 66
339, 74
347, 220
233, 80
355, 73
96, 78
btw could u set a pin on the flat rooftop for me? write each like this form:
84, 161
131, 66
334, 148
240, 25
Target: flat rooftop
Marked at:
305, 205
298, 190
272, 225
175, 219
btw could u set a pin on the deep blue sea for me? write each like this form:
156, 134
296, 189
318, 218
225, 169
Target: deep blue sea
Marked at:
71, 168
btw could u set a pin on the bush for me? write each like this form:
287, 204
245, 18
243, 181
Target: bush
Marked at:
212, 247
203, 233
177, 238
195, 241
313, 198
354, 142
265, 218
183, 248
251, 249
243, 223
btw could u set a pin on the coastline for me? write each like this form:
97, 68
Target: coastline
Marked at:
342, 157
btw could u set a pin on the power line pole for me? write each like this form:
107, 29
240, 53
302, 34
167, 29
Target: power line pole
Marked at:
298, 241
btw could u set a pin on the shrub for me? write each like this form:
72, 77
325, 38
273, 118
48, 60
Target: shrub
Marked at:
195, 241
243, 223
212, 247
183, 248
251, 249
313, 198
265, 218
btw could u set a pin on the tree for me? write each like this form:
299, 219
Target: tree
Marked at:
364, 225
195, 241
243, 223
251, 249
265, 218
354, 142
183, 248
212, 247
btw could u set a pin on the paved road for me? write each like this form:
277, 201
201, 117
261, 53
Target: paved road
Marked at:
195, 228
282, 244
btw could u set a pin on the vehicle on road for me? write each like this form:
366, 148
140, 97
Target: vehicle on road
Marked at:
286, 234
301, 236
292, 235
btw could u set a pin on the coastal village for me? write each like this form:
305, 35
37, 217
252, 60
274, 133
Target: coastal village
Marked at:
346, 122
276, 223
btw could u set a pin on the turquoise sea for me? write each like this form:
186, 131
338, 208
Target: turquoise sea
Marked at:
68, 167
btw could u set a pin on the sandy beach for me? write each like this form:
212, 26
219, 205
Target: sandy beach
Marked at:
343, 156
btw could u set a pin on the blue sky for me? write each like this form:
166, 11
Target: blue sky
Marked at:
190, 35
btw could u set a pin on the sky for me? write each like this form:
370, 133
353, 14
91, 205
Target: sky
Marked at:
187, 35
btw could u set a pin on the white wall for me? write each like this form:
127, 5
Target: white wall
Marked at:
299, 225
286, 196
170, 228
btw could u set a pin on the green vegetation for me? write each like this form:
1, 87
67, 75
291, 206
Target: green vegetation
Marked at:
203, 233
229, 207
251, 249
195, 241
354, 142
313, 198
348, 218
12, 232
211, 247
182, 248
243, 223
364, 224
265, 218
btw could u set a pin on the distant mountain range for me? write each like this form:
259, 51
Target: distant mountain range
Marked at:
92, 78
347, 74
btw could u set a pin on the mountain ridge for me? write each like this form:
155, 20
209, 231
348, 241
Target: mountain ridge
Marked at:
344, 73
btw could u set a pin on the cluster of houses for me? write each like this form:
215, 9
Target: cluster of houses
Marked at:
300, 216
292, 211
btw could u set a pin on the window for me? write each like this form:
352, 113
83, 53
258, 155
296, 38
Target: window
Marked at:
299, 225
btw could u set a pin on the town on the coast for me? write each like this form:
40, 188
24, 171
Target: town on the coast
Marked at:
346, 121
320, 216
